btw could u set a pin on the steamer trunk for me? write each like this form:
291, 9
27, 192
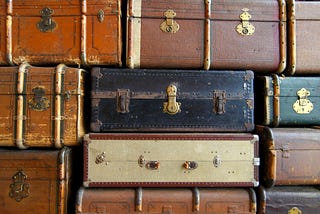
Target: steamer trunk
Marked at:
288, 199
66, 31
171, 100
41, 106
219, 34
288, 156
166, 200
34, 181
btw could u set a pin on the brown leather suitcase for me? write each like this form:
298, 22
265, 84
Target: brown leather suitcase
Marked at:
289, 156
196, 34
288, 199
303, 42
37, 181
41, 106
164, 200
67, 31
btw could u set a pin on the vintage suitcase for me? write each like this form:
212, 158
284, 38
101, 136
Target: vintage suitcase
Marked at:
66, 31
165, 159
288, 156
303, 44
171, 100
287, 101
196, 34
166, 200
288, 199
36, 181
41, 106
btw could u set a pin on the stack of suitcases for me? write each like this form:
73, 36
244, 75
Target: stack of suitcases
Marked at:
159, 106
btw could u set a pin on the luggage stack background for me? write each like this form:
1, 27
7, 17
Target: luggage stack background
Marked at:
127, 107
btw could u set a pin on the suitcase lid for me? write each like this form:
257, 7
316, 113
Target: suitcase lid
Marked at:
64, 8
286, 139
260, 10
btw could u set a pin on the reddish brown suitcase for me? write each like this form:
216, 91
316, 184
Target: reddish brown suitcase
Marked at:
196, 34
289, 156
303, 42
288, 199
183, 200
41, 106
67, 31
36, 181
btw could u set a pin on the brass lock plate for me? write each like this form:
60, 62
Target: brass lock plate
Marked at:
303, 105
169, 25
294, 210
245, 28
19, 189
39, 102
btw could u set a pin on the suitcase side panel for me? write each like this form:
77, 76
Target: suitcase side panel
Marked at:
38, 171
161, 200
97, 153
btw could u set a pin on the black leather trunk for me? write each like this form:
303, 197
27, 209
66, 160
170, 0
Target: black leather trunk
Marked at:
171, 100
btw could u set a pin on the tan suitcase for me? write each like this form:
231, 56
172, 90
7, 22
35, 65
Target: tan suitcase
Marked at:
41, 106
146, 159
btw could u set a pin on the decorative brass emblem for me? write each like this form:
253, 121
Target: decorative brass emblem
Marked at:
39, 102
19, 189
169, 25
245, 28
172, 106
46, 24
294, 210
303, 105
100, 15
219, 102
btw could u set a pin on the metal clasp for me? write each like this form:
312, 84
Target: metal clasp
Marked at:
169, 25
219, 102
245, 28
172, 106
100, 15
46, 24
216, 161
303, 105
190, 165
294, 210
123, 100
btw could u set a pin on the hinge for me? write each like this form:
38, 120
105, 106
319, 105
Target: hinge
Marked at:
285, 151
256, 161
219, 101
123, 100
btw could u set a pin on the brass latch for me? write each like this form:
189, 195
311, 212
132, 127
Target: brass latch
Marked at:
100, 15
172, 106
303, 105
169, 25
294, 210
219, 102
46, 24
245, 28
123, 100
153, 165
216, 161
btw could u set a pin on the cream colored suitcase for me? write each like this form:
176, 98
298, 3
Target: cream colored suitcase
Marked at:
146, 159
